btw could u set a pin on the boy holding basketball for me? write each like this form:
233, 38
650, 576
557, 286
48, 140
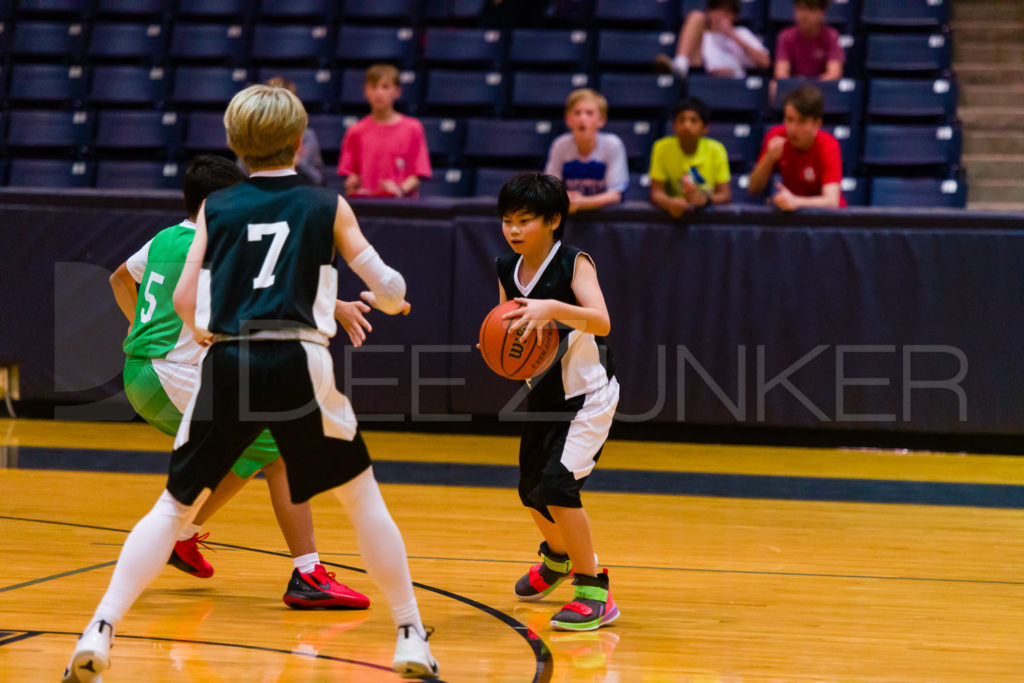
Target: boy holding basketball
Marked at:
572, 403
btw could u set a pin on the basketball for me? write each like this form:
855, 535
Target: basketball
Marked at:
508, 354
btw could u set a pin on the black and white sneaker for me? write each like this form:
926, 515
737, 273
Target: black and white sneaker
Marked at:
412, 653
92, 654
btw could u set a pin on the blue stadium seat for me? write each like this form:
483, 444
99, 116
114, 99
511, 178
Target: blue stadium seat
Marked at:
446, 12
551, 49
5, 35
330, 131
290, 43
886, 145
908, 53
47, 83
742, 142
639, 95
908, 98
464, 91
306, 10
455, 183
50, 173
402, 11
639, 189
738, 184
737, 98
205, 132
136, 8
318, 87
368, 44
489, 181
210, 9
905, 13
519, 140
140, 42
34, 39
212, 43
844, 98
840, 13
445, 137
533, 91
213, 85
464, 46
353, 82
633, 49
853, 45
29, 128
660, 14
855, 191
47, 8
638, 138
139, 175
119, 129
128, 85
918, 192
849, 138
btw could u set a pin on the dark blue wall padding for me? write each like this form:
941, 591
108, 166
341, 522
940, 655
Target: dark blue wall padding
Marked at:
863, 319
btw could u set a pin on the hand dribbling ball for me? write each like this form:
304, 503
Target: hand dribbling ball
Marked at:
510, 353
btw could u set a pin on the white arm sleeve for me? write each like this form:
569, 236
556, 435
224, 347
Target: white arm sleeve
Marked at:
386, 283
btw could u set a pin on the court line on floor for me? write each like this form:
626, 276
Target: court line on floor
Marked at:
540, 649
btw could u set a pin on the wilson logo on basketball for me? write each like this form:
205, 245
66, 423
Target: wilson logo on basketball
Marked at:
514, 354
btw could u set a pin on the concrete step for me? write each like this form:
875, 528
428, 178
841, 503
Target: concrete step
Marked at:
992, 52
994, 166
988, 31
987, 11
992, 96
1002, 191
991, 118
989, 73
996, 207
993, 142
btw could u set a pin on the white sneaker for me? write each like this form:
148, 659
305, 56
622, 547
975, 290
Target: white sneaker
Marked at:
412, 654
92, 654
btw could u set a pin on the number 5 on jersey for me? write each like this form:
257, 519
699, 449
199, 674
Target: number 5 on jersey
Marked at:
257, 231
146, 314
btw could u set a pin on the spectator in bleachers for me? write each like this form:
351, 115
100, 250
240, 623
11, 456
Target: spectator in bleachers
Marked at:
592, 164
810, 48
806, 157
712, 40
308, 160
689, 171
385, 153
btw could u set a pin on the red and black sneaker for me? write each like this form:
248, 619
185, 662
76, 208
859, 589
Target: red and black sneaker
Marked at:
187, 558
319, 590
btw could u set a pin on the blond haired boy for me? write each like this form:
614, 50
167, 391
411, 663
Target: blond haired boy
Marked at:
255, 288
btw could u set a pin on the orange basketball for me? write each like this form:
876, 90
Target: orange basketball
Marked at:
508, 354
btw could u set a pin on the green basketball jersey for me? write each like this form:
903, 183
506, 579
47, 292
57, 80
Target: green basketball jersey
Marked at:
157, 331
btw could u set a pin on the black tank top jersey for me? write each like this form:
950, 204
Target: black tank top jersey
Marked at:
584, 361
270, 240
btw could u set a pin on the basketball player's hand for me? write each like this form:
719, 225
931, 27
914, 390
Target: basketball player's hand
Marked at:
784, 199
204, 339
350, 315
369, 298
531, 315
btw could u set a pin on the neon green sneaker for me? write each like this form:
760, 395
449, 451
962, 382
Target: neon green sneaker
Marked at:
544, 576
592, 606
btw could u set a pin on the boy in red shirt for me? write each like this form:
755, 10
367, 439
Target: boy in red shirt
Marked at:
805, 156
809, 48
385, 154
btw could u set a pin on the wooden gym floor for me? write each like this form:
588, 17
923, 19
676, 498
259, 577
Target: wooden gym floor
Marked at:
730, 564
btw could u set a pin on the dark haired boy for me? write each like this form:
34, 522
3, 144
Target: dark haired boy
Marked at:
807, 158
711, 39
571, 405
688, 170
810, 48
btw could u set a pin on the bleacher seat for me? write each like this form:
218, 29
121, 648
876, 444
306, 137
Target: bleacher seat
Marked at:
489, 181
849, 139
289, 43
142, 42
51, 83
37, 39
905, 13
209, 43
909, 98
447, 12
841, 14
315, 87
855, 191
210, 9
888, 145
370, 44
445, 137
144, 130
135, 8
735, 98
330, 131
508, 140
56, 173
403, 11
464, 46
738, 184
742, 142
908, 53
204, 132
544, 93
475, 91
139, 175
353, 82
32, 128
128, 85
844, 98
210, 85
454, 183
853, 46
52, 8
639, 95
638, 137
639, 189
661, 14
918, 192
302, 10
634, 50
565, 50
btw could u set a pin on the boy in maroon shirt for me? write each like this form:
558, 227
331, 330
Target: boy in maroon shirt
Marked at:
805, 156
810, 48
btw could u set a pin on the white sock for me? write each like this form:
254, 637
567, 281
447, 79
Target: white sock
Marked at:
682, 63
145, 554
306, 563
381, 546
190, 531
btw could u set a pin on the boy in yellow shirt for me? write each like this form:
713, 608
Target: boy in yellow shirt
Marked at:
688, 170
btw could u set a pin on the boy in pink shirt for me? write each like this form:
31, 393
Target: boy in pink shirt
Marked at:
809, 48
385, 154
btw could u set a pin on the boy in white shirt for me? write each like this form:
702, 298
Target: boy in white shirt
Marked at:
712, 40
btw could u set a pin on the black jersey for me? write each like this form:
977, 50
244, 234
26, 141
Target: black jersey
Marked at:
584, 360
269, 258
